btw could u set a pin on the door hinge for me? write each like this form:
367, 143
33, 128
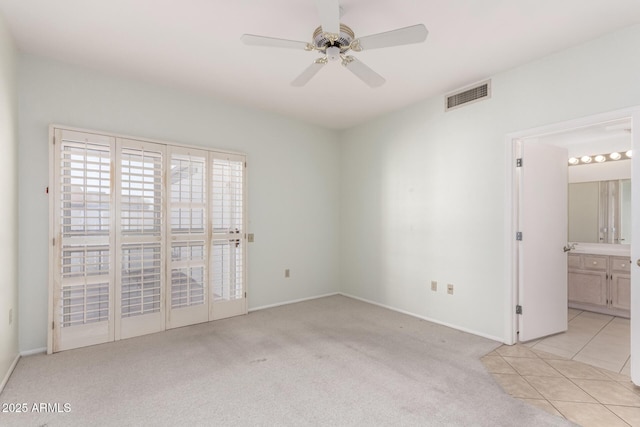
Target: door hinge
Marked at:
54, 241
519, 162
519, 235
518, 309
245, 294
245, 164
53, 325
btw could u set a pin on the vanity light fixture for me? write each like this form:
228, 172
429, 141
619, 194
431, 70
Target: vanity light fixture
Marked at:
599, 158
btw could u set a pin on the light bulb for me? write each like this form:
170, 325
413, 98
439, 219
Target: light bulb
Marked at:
628, 154
600, 158
573, 161
585, 159
615, 156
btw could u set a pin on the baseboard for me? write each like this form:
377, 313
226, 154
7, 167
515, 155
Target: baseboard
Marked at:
34, 351
408, 313
9, 372
263, 307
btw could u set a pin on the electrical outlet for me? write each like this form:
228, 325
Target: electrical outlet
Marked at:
10, 315
250, 237
434, 286
450, 289
287, 273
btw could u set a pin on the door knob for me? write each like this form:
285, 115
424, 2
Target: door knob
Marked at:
638, 262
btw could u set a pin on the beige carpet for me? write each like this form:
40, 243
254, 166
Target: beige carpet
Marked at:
328, 362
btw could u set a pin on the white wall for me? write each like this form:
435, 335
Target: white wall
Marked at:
293, 176
9, 205
606, 171
423, 195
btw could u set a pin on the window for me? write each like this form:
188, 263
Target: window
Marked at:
146, 236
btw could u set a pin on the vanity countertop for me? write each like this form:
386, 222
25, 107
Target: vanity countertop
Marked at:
602, 249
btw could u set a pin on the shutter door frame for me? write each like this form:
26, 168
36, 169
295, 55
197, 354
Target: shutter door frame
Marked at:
114, 329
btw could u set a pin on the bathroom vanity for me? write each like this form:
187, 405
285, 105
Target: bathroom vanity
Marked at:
600, 281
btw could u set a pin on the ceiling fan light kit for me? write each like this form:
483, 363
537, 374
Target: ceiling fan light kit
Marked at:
335, 44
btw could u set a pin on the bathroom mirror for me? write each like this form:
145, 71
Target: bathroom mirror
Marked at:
600, 212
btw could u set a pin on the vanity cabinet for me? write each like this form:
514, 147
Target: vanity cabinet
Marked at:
600, 283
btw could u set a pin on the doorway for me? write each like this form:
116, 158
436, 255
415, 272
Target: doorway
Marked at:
619, 121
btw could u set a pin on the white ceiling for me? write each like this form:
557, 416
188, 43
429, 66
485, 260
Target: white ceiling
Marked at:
195, 44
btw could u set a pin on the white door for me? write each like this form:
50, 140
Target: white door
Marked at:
542, 278
189, 241
227, 268
83, 254
139, 238
635, 251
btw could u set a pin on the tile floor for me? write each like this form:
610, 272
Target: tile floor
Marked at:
581, 375
597, 339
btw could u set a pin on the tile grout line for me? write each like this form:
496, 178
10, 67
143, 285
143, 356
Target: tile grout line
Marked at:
538, 391
592, 338
624, 364
597, 401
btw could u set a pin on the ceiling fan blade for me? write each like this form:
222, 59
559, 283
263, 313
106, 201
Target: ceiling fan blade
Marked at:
329, 12
408, 35
363, 72
253, 40
309, 72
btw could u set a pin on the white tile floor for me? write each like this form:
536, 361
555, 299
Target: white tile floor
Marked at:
596, 339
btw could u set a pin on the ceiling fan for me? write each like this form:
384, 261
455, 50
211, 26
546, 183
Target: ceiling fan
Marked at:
334, 40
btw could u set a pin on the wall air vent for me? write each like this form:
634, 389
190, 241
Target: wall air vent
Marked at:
468, 95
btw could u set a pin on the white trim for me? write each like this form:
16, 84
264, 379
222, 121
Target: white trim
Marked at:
428, 319
388, 307
510, 223
264, 307
143, 139
52, 230
33, 351
5, 380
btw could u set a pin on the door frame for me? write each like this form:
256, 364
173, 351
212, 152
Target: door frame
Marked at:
511, 221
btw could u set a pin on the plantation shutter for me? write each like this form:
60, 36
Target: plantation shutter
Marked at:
227, 210
83, 297
145, 236
189, 240
140, 238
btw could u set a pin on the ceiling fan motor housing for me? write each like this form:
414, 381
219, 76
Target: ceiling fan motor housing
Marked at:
325, 42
